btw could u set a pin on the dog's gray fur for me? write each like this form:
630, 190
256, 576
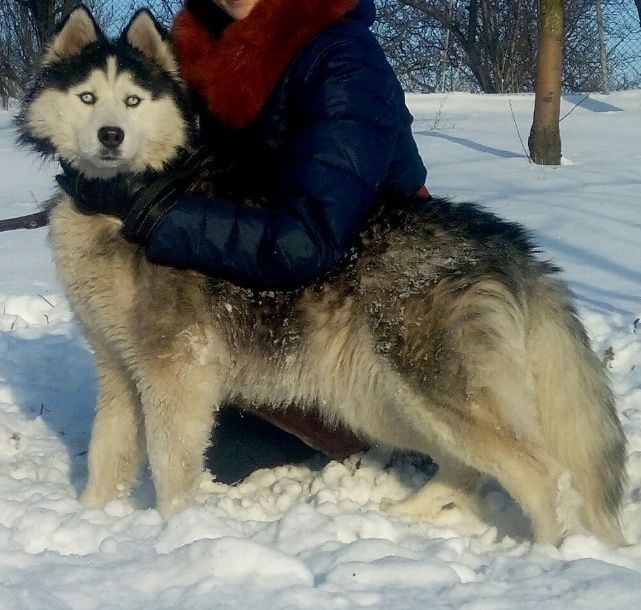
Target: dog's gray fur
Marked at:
445, 335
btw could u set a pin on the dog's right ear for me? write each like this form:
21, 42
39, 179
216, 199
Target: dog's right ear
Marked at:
77, 32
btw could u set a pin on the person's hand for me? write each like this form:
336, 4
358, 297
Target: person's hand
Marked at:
93, 195
151, 202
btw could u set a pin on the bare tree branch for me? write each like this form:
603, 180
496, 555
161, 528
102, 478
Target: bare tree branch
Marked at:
491, 45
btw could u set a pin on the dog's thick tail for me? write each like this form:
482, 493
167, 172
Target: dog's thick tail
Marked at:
577, 411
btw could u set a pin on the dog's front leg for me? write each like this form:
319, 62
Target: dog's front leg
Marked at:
178, 403
116, 448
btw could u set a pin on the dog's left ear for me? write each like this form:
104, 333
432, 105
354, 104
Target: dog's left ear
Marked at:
146, 35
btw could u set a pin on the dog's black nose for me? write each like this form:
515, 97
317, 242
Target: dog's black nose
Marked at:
111, 137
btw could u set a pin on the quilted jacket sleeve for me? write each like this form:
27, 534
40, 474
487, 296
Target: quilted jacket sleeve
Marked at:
346, 120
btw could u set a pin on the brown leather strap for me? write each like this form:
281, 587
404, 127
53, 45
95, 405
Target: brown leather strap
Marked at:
338, 443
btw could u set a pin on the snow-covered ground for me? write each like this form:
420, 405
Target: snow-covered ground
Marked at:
298, 537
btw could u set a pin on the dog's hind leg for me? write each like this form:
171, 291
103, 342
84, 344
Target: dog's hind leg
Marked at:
526, 472
178, 403
116, 448
479, 404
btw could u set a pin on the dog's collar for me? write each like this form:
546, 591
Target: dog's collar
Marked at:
236, 65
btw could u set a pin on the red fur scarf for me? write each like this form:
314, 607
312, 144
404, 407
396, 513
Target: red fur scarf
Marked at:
237, 71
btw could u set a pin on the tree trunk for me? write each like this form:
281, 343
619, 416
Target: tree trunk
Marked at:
603, 51
545, 139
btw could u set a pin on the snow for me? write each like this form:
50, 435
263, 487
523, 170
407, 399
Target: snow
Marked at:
311, 536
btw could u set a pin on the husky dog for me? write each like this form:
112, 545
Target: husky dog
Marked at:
444, 335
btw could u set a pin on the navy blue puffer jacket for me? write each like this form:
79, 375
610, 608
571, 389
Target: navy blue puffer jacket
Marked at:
330, 138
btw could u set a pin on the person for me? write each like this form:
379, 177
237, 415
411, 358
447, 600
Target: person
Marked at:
298, 98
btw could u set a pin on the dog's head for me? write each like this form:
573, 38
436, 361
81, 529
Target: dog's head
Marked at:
107, 106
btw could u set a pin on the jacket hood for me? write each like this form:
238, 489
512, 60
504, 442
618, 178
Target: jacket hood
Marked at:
364, 11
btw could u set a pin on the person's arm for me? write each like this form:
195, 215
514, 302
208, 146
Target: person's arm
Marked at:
347, 120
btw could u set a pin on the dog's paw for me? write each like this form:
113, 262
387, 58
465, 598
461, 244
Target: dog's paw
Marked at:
91, 498
170, 506
419, 506
95, 497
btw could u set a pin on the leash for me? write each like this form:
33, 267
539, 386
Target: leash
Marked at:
41, 219
185, 165
30, 221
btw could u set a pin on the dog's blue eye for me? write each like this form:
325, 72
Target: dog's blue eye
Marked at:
132, 101
87, 98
